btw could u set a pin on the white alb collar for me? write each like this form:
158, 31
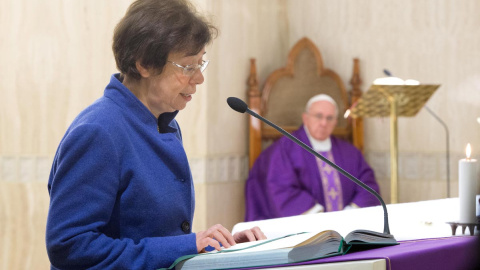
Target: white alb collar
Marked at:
317, 145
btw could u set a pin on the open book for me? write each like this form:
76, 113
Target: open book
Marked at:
283, 250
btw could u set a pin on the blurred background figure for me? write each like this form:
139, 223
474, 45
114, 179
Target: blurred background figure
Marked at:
286, 180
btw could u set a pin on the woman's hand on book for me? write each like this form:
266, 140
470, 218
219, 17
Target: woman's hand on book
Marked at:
213, 237
217, 235
249, 235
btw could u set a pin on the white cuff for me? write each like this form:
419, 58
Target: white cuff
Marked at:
351, 206
317, 208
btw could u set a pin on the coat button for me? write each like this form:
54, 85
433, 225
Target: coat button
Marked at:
186, 227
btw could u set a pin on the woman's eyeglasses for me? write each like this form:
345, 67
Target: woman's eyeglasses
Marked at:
191, 69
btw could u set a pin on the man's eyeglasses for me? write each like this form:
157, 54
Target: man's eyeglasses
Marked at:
320, 117
191, 69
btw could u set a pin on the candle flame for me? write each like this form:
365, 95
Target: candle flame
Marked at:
468, 151
347, 114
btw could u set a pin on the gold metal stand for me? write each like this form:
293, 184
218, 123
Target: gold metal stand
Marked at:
393, 149
393, 101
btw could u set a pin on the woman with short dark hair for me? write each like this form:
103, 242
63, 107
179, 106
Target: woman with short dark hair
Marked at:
121, 190
151, 30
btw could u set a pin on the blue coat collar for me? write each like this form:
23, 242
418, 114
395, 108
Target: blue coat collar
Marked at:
122, 96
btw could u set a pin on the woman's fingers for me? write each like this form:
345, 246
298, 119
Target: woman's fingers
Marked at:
213, 236
221, 238
226, 234
207, 241
250, 235
259, 235
244, 236
221, 234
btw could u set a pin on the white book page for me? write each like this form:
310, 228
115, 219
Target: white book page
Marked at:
261, 245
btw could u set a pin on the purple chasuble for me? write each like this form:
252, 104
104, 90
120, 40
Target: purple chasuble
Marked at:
286, 180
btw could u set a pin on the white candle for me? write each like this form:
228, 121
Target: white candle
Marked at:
467, 188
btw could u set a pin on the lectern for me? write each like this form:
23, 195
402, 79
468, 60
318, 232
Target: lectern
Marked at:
393, 101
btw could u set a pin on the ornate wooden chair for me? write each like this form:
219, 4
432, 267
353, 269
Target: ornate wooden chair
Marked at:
287, 90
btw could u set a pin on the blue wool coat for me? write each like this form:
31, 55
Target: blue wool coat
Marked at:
121, 191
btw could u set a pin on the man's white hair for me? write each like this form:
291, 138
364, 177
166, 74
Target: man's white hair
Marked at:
321, 97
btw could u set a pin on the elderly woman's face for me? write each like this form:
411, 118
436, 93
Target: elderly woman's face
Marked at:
172, 89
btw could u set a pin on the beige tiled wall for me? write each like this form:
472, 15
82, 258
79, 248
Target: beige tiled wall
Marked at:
23, 208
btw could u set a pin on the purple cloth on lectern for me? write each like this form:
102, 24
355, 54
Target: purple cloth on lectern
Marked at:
455, 253
285, 179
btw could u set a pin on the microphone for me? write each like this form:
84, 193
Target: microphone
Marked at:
241, 107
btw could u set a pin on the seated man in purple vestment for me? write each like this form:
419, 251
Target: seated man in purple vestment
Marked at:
286, 180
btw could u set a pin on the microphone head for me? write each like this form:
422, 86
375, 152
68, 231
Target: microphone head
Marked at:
237, 104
